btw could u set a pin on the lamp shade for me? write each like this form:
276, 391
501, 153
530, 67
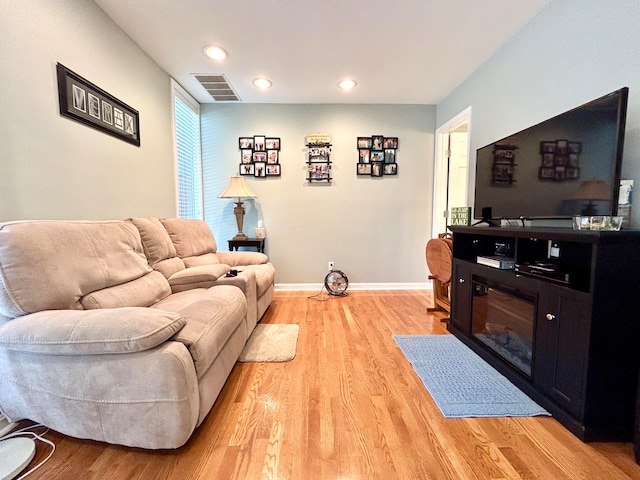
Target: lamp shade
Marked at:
592, 190
237, 188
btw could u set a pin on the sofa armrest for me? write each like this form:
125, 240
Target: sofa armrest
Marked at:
203, 276
90, 332
237, 259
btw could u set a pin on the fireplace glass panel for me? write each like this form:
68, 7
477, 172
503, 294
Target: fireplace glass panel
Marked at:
503, 320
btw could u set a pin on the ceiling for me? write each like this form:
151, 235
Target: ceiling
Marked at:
402, 52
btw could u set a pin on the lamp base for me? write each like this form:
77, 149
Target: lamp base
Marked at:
240, 236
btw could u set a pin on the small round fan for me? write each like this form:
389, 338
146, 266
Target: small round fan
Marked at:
336, 283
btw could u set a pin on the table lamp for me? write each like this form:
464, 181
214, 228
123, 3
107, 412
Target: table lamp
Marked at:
238, 188
591, 190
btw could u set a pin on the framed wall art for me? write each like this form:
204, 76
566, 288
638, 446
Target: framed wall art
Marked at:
87, 103
377, 156
259, 156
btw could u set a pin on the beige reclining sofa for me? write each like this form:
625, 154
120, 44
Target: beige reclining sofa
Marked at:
96, 342
186, 253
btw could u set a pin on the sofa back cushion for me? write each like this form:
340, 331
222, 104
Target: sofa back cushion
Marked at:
52, 265
158, 247
192, 238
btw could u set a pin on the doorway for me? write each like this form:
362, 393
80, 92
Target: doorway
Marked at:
451, 172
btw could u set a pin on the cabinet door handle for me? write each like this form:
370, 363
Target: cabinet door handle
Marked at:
550, 316
461, 280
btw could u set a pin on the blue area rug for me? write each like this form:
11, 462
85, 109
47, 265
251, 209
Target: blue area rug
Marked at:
461, 383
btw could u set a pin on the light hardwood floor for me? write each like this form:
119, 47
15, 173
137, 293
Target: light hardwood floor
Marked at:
348, 406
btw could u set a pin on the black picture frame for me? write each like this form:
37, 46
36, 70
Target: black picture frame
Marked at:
547, 147
84, 102
247, 169
390, 142
389, 155
377, 142
273, 170
245, 143
260, 169
377, 169
246, 155
364, 142
390, 169
363, 169
377, 156
573, 173
272, 143
546, 173
562, 147
259, 143
364, 155
273, 157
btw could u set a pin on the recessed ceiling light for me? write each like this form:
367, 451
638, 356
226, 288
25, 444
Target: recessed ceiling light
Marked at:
216, 53
261, 82
347, 84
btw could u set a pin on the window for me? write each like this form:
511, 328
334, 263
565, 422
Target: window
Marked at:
186, 115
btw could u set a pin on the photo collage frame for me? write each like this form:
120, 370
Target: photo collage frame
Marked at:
504, 163
377, 156
259, 156
560, 160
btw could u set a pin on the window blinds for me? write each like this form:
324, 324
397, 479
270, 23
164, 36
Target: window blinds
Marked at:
188, 159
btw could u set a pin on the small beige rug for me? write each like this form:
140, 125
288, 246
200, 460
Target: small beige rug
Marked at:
271, 343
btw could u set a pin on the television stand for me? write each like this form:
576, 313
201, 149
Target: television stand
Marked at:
585, 344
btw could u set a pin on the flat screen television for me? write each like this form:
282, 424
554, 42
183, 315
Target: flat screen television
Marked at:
564, 166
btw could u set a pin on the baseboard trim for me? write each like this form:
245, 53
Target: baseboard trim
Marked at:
303, 287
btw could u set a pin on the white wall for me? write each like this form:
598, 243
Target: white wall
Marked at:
572, 52
54, 167
374, 229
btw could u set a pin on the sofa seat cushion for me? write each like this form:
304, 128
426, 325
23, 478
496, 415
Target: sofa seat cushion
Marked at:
212, 316
90, 332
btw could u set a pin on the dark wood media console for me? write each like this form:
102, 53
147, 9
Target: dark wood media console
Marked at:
584, 346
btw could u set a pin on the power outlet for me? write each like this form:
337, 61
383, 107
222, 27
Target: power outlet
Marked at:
330, 265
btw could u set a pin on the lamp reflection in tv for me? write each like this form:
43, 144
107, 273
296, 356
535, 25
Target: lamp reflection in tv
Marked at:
591, 191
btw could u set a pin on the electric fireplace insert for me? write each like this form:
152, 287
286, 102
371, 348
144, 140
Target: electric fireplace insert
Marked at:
502, 319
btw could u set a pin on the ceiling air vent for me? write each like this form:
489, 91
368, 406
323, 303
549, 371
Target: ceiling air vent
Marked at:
218, 87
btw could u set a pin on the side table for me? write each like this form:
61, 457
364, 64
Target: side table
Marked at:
249, 242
